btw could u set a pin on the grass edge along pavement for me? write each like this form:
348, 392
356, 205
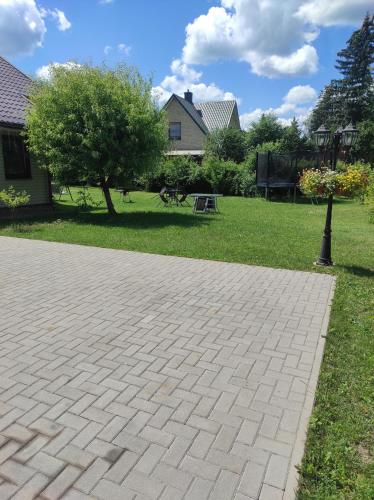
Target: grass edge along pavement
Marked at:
339, 455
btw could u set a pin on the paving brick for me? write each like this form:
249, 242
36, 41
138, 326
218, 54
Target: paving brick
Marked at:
200, 468
276, 472
32, 488
75, 456
108, 490
152, 457
144, 484
61, 483
46, 464
18, 433
172, 476
15, 472
251, 481
225, 485
92, 475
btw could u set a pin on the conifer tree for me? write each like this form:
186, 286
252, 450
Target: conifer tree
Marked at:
355, 64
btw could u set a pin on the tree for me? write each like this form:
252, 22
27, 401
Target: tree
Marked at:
364, 148
329, 109
350, 98
91, 123
355, 64
266, 129
292, 140
227, 144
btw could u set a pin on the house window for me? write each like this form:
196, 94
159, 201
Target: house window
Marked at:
175, 131
16, 157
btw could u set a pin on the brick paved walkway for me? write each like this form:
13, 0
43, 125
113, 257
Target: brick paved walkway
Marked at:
132, 376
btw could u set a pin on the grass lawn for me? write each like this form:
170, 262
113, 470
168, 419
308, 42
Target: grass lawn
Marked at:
339, 459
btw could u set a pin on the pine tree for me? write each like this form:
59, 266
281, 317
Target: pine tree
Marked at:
292, 140
329, 109
355, 64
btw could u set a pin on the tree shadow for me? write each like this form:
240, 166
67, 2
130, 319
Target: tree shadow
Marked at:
143, 219
364, 272
134, 220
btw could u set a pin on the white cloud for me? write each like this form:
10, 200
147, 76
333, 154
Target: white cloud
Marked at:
22, 27
301, 94
44, 72
62, 22
124, 49
107, 49
334, 12
298, 103
105, 2
184, 77
273, 36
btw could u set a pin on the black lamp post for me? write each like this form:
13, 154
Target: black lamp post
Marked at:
342, 138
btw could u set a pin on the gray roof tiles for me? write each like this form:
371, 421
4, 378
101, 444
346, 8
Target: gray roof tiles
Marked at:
14, 87
216, 114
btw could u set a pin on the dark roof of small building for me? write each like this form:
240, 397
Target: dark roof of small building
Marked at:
216, 114
14, 87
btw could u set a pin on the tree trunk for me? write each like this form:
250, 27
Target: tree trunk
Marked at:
108, 199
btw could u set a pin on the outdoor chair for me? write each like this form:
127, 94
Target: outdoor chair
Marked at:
163, 197
183, 200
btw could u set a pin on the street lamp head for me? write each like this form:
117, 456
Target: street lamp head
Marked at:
349, 136
322, 136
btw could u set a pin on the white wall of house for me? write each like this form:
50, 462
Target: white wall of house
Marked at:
192, 137
37, 186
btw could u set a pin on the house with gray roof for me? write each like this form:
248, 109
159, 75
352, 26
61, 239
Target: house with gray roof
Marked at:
16, 167
190, 123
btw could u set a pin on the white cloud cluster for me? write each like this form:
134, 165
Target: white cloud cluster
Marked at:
44, 72
275, 37
22, 26
298, 103
184, 77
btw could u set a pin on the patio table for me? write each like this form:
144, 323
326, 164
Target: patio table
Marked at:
205, 202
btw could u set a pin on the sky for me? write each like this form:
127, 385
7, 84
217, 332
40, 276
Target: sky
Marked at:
269, 55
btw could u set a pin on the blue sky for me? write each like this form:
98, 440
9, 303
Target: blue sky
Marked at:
269, 54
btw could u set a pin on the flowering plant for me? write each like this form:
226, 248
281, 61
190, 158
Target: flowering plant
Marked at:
319, 183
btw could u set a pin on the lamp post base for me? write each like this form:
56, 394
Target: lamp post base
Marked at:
323, 262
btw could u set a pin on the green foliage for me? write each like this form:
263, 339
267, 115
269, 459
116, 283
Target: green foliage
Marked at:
227, 144
95, 124
364, 148
13, 199
292, 139
266, 129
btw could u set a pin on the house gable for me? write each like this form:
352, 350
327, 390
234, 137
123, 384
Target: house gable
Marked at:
193, 129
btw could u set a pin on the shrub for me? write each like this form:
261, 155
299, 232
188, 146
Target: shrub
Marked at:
13, 199
227, 144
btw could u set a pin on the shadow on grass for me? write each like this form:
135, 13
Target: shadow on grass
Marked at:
359, 271
134, 220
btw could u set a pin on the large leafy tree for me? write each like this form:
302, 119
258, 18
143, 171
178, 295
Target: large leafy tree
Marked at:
266, 129
96, 124
227, 144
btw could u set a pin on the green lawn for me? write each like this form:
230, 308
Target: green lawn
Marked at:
339, 460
